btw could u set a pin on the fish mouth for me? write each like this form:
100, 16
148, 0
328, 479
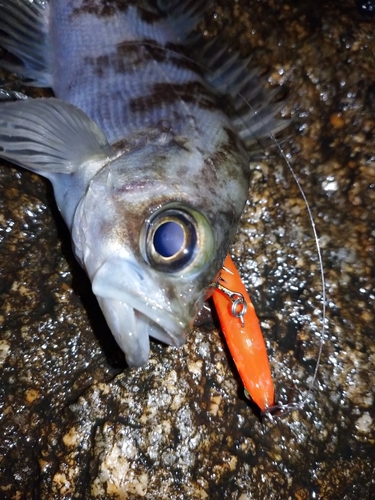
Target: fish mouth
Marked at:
133, 315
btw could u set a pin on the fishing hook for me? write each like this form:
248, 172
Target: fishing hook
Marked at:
237, 300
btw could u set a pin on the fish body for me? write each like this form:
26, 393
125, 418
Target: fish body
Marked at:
149, 173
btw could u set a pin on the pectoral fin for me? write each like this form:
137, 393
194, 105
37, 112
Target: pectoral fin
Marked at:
49, 136
25, 33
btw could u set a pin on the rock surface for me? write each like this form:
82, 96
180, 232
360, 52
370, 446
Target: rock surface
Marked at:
76, 423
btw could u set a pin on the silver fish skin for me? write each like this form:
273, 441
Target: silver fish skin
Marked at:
150, 175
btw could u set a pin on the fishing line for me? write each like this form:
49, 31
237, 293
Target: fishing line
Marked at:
286, 408
321, 269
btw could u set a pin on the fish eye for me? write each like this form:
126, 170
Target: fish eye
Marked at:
171, 240
174, 239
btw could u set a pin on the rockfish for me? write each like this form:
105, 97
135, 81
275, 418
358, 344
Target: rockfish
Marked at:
148, 171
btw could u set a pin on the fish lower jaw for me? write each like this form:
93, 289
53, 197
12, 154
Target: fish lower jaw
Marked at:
135, 308
132, 329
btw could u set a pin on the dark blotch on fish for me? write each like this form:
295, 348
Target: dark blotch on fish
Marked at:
105, 8
167, 93
129, 56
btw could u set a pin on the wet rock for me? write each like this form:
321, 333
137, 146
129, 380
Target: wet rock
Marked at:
76, 423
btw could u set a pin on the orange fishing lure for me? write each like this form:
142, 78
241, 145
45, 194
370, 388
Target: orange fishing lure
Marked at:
243, 335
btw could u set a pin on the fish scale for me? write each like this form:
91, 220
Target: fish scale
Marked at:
113, 77
135, 141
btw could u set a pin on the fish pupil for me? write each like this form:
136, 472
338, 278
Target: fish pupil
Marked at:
169, 239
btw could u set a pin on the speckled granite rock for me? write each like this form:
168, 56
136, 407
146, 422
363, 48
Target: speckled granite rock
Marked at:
75, 423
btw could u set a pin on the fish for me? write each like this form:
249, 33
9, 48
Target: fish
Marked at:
147, 144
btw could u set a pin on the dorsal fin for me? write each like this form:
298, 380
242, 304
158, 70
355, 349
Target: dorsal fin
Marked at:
252, 106
183, 15
253, 109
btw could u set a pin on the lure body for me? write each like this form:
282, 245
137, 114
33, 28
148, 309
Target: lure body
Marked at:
244, 338
150, 175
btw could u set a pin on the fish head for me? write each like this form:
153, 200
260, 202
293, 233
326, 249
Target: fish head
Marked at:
152, 240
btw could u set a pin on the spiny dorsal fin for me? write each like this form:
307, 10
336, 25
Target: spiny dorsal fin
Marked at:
252, 108
183, 15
